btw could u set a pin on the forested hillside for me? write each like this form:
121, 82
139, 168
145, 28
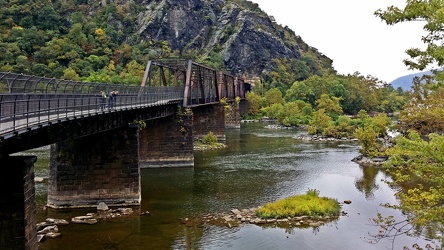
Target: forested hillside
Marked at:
111, 41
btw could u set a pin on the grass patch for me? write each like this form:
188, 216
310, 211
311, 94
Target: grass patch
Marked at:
309, 204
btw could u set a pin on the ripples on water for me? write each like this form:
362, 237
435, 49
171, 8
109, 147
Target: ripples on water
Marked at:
260, 165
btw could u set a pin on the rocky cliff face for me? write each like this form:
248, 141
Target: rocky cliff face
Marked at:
245, 38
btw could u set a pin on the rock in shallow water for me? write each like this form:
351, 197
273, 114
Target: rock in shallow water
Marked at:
84, 220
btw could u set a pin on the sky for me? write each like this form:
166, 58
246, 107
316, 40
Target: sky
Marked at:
348, 32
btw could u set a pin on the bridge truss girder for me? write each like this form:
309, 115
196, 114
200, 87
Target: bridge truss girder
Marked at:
202, 85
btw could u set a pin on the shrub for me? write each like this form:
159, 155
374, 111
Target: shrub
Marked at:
309, 204
209, 138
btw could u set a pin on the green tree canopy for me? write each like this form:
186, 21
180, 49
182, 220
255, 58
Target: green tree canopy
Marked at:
431, 12
274, 96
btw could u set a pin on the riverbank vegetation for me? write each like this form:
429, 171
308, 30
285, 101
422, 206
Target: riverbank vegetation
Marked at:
330, 105
309, 204
358, 106
415, 162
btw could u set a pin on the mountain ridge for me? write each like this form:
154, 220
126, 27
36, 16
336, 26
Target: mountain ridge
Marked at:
99, 40
406, 82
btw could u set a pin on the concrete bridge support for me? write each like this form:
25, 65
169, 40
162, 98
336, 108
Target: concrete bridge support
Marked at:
209, 118
167, 142
99, 168
17, 203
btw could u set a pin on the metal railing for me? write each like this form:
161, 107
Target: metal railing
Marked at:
27, 101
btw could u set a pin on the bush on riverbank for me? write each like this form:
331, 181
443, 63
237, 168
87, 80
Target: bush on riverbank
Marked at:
309, 204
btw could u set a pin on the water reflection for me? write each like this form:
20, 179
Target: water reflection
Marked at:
367, 184
258, 166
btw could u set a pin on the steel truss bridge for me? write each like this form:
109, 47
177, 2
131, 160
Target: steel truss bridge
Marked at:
37, 111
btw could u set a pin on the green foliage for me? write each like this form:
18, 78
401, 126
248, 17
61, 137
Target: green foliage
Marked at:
140, 123
213, 60
309, 204
330, 105
64, 40
319, 123
416, 161
254, 103
287, 71
273, 111
274, 96
368, 132
342, 127
354, 93
300, 91
209, 139
417, 165
425, 112
431, 13
295, 113
367, 138
321, 101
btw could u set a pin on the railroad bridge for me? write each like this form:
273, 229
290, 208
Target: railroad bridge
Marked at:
98, 143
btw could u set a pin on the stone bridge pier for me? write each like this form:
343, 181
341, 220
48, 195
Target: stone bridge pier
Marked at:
17, 203
209, 118
102, 167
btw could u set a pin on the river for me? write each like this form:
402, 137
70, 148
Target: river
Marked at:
259, 165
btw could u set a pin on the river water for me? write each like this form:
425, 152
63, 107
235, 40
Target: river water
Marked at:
259, 165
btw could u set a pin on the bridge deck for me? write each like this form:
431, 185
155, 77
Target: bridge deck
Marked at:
12, 125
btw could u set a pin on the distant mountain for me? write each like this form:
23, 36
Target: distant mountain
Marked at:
405, 82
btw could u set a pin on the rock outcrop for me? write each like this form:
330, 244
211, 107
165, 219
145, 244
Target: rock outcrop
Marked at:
239, 33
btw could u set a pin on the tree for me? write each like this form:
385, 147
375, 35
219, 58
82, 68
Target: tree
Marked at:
419, 164
300, 91
367, 138
70, 74
330, 105
425, 112
287, 71
273, 110
362, 93
319, 123
254, 103
295, 113
416, 162
274, 96
431, 13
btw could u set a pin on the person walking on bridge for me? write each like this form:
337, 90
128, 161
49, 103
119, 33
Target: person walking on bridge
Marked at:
112, 99
102, 100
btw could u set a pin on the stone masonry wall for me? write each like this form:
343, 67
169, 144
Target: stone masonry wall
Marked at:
17, 203
209, 118
98, 168
167, 142
232, 115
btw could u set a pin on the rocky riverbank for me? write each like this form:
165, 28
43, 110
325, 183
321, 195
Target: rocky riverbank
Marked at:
364, 160
50, 227
323, 138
